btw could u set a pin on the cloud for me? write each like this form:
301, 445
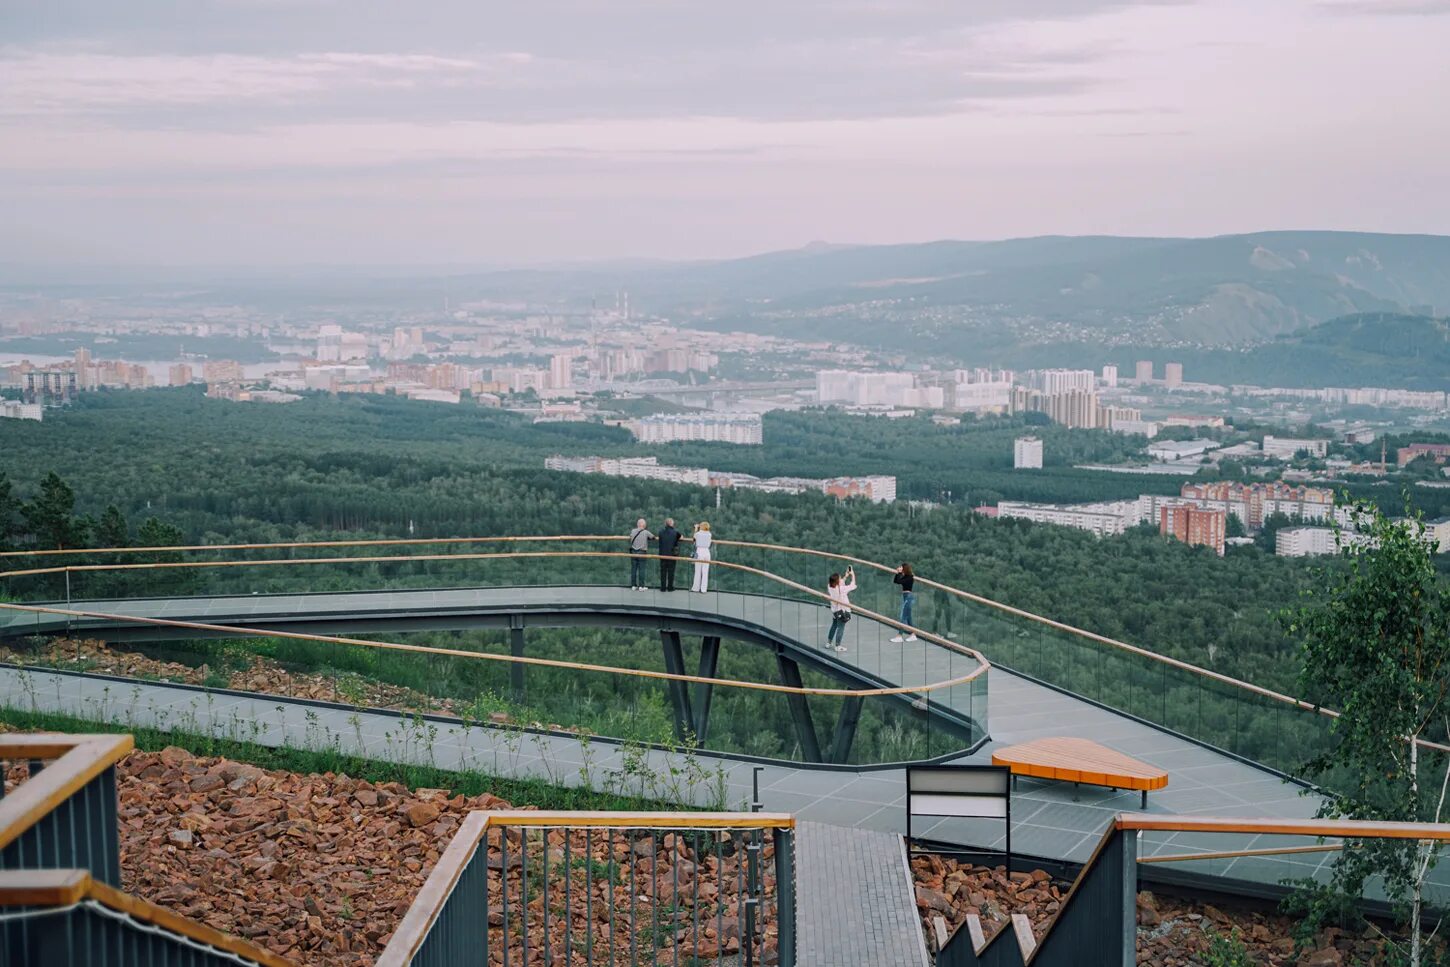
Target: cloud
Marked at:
1388, 8
82, 82
220, 64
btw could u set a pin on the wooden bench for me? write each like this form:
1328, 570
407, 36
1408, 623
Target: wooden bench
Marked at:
1080, 761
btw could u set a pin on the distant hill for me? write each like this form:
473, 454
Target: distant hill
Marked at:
1229, 290
980, 298
1366, 349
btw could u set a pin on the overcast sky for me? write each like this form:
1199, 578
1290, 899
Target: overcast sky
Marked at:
508, 131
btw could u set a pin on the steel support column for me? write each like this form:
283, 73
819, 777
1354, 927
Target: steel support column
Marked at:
709, 668
679, 691
516, 648
790, 674
845, 733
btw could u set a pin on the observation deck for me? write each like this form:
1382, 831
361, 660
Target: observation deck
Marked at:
1222, 742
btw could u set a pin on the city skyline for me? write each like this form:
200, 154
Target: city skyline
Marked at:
286, 132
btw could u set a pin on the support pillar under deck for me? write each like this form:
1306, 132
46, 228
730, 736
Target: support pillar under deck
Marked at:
679, 691
704, 691
845, 733
800, 712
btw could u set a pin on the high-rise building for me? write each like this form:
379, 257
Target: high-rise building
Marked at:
1144, 371
865, 389
1053, 381
1172, 375
1027, 453
1194, 525
49, 387
180, 374
1110, 376
561, 371
1075, 408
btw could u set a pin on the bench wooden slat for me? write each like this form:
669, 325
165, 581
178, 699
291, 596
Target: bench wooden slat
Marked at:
1079, 760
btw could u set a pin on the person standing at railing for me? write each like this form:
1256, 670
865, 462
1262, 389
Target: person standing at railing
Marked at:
669, 550
639, 539
840, 588
907, 580
701, 580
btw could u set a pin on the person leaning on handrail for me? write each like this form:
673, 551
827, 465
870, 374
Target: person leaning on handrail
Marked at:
669, 549
702, 539
907, 580
639, 539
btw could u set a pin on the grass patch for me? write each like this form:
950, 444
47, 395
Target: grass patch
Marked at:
518, 792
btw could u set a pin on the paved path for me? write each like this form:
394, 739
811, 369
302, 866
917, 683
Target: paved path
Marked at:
855, 901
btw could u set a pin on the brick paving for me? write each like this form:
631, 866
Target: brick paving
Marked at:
855, 903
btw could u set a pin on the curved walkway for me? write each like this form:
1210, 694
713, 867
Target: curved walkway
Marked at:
1050, 820
795, 628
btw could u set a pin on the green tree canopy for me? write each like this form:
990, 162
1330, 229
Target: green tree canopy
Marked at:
1375, 639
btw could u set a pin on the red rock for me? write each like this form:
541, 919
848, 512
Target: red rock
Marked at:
421, 814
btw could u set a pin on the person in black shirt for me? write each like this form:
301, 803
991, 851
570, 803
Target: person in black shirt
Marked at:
907, 580
669, 548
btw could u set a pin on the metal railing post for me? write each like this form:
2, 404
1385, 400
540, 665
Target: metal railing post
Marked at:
785, 897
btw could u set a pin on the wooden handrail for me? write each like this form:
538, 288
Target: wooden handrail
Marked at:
981, 667
42, 888
515, 659
1186, 667
1125, 823
408, 938
78, 760
28, 888
1336, 828
1233, 854
644, 820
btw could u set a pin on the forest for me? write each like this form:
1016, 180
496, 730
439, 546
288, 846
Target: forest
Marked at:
361, 467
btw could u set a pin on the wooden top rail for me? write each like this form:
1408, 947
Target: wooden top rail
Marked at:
522, 660
78, 760
408, 938
819, 595
1336, 828
1186, 667
30, 888
650, 820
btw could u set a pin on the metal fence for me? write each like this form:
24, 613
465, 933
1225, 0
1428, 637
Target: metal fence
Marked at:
529, 888
60, 812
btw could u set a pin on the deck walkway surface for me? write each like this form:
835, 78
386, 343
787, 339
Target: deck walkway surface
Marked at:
855, 900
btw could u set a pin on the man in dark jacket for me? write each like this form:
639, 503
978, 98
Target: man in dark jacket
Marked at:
669, 549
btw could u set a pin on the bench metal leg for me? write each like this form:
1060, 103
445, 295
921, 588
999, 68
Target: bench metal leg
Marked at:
1145, 799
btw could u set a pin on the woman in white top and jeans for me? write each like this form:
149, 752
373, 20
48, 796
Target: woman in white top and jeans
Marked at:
840, 589
701, 580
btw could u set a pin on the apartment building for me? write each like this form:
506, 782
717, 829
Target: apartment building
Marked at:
1101, 519
1194, 525
16, 410
1313, 541
1286, 448
739, 428
1439, 452
1027, 453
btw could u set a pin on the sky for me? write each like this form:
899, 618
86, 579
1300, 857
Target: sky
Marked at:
506, 132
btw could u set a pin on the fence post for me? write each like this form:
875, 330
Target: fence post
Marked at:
785, 896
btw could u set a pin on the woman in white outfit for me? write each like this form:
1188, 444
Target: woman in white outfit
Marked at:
702, 557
